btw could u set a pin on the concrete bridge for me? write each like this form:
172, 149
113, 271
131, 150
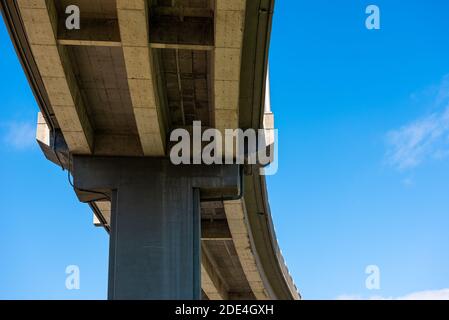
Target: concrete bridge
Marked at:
111, 92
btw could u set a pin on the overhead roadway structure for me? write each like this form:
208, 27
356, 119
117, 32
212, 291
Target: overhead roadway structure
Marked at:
111, 93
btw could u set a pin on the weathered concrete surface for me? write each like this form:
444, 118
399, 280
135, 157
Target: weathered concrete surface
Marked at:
41, 20
229, 26
212, 282
241, 235
133, 22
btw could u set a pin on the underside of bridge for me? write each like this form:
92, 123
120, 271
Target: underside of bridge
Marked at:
111, 93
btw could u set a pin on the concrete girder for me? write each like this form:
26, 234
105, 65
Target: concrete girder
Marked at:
133, 25
236, 216
106, 33
229, 25
40, 20
217, 230
212, 282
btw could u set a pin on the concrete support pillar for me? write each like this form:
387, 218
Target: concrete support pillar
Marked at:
155, 223
154, 245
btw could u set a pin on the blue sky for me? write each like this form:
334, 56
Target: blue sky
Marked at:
353, 108
43, 227
363, 170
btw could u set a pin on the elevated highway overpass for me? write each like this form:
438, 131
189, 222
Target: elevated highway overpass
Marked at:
111, 93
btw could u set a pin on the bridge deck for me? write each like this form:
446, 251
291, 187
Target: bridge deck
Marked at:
135, 71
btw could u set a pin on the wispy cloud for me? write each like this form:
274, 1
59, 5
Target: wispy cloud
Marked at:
425, 138
19, 135
442, 294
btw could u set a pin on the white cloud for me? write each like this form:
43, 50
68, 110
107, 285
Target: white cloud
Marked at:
349, 297
20, 135
442, 294
425, 138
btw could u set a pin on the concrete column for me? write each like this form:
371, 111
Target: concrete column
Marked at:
154, 245
155, 221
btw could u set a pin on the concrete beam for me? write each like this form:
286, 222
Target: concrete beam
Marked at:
212, 282
183, 12
93, 32
229, 25
216, 230
241, 234
133, 25
175, 31
106, 33
154, 45
114, 144
177, 46
40, 20
94, 173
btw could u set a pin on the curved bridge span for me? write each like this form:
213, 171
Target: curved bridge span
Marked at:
110, 94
